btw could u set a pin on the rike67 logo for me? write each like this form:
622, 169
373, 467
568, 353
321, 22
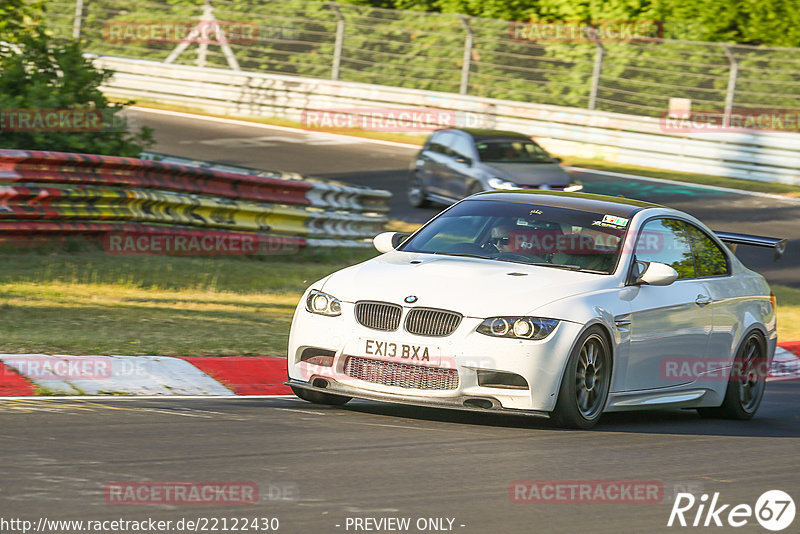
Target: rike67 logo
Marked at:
774, 510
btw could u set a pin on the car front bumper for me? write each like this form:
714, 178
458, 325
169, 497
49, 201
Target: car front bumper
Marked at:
464, 353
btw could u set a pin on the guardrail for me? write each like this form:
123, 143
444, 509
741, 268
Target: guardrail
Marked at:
51, 192
751, 155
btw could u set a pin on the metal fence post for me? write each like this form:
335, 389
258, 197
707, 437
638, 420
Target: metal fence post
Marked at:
465, 68
730, 92
597, 71
78, 20
339, 44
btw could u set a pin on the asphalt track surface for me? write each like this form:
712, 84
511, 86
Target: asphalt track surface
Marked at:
371, 460
356, 161
378, 460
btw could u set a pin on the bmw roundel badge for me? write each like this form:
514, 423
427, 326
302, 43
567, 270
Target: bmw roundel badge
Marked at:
411, 299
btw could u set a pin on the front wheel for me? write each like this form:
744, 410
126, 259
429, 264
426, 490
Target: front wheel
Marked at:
587, 380
417, 196
747, 382
317, 397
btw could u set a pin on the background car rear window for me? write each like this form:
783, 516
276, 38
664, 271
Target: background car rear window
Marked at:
512, 151
461, 146
439, 142
666, 241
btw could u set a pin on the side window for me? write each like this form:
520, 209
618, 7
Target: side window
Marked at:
461, 146
439, 142
666, 241
709, 258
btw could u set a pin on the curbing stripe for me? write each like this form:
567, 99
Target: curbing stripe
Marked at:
197, 377
246, 375
786, 363
12, 383
98, 375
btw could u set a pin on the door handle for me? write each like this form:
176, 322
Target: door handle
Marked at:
702, 300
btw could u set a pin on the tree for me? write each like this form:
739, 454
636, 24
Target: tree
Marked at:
43, 73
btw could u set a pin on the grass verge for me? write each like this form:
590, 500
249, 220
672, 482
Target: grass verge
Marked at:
94, 303
701, 179
788, 312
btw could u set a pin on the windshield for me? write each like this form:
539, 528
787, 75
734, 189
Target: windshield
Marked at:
512, 151
524, 233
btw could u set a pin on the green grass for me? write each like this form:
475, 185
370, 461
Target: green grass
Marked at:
788, 312
94, 303
702, 179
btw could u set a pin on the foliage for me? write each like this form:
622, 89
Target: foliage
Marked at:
420, 44
40, 72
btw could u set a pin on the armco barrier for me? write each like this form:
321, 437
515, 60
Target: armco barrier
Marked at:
57, 193
763, 156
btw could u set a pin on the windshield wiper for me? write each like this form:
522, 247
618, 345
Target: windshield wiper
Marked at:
569, 267
462, 255
557, 266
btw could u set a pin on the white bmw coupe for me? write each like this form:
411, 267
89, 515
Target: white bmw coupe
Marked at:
561, 305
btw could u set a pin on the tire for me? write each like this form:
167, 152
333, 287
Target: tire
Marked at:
586, 382
317, 397
746, 384
416, 193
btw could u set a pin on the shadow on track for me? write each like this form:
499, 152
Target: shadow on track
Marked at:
777, 417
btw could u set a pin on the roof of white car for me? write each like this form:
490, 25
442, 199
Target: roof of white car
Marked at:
620, 206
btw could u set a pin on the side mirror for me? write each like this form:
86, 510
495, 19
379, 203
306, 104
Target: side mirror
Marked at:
557, 160
655, 274
388, 241
463, 159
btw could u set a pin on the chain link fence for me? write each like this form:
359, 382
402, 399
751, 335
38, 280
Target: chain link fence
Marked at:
443, 52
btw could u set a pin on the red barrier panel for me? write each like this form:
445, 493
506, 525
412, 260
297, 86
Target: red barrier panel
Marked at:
63, 168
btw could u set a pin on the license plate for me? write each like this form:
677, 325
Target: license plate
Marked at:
394, 351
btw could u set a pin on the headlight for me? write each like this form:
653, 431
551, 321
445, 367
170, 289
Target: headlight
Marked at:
323, 304
518, 327
498, 183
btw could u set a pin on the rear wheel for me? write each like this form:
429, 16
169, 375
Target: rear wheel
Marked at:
747, 382
317, 397
587, 379
417, 196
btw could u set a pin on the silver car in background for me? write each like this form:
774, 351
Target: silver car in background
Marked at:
457, 163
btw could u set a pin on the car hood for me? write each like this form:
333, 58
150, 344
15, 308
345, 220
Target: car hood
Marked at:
471, 286
530, 173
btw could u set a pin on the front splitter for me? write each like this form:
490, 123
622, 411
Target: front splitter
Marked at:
450, 403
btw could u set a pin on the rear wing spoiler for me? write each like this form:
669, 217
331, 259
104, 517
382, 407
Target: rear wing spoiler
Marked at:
732, 240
